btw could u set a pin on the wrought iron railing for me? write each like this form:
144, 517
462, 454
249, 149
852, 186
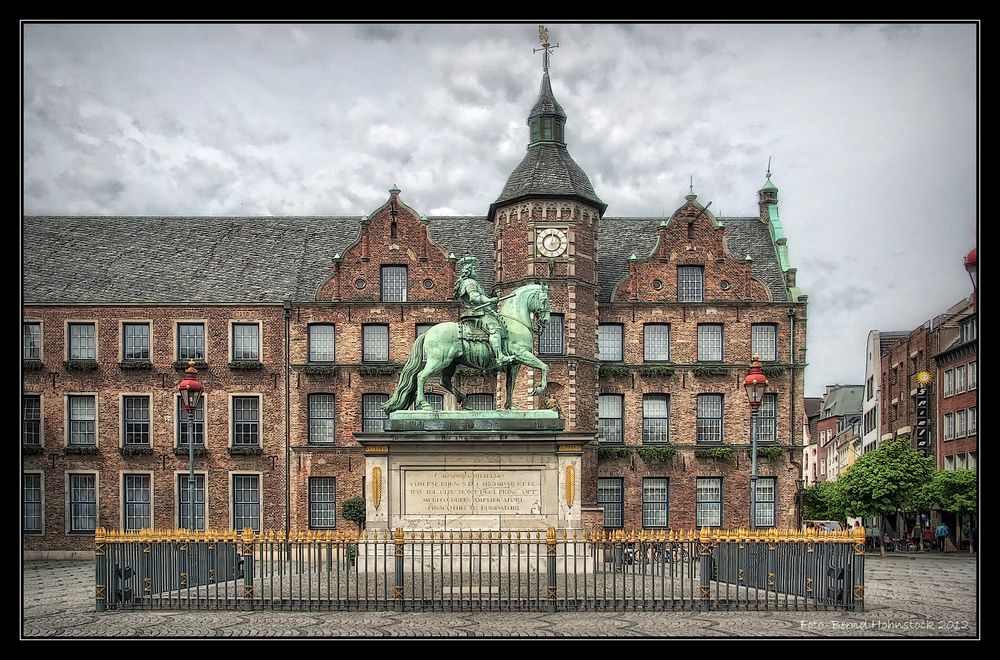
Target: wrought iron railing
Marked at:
525, 570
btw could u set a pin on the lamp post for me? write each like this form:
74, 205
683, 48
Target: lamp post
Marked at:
191, 391
755, 384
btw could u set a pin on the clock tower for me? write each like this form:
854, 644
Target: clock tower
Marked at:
545, 223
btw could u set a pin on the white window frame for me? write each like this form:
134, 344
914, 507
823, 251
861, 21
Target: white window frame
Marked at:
121, 416
621, 341
67, 487
41, 338
309, 502
232, 496
388, 343
232, 340
232, 418
177, 495
97, 338
41, 502
646, 342
97, 418
41, 416
309, 342
121, 496
177, 338
121, 339
178, 414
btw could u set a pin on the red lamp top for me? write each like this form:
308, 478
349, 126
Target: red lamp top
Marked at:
755, 383
970, 260
190, 388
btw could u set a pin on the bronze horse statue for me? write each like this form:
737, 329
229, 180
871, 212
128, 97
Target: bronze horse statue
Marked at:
445, 349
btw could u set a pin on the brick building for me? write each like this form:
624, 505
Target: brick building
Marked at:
300, 324
841, 403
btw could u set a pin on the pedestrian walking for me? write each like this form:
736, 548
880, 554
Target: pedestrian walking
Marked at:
941, 533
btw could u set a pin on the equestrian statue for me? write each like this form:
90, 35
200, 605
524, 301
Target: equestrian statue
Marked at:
491, 335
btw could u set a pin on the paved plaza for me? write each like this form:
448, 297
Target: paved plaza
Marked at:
907, 596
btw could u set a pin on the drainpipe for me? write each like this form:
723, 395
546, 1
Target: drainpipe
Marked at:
288, 428
792, 408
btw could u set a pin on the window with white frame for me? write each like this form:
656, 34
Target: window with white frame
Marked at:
609, 496
708, 502
690, 284
967, 327
972, 420
322, 419
372, 416
655, 419
960, 382
246, 342
137, 502
184, 499
609, 419
393, 283
479, 402
960, 423
135, 342
82, 420
31, 420
246, 421
765, 419
949, 462
764, 341
949, 426
656, 342
82, 503
82, 341
949, 382
322, 343
436, 400
186, 426
655, 502
246, 502
31, 500
550, 342
709, 342
375, 343
973, 376
609, 342
764, 515
190, 341
322, 503
822, 466
709, 421
135, 420
32, 347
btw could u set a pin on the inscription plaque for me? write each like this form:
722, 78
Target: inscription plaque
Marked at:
472, 492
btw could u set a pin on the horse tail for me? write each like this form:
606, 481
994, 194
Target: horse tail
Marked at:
406, 389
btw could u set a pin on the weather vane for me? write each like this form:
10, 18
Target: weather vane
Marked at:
768, 167
543, 37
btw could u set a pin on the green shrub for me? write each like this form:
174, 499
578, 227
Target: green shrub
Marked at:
657, 453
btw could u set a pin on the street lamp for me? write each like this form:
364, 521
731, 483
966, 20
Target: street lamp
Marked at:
755, 384
972, 267
191, 391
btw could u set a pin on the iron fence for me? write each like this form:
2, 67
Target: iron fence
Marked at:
480, 570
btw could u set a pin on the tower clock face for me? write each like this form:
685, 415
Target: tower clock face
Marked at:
551, 242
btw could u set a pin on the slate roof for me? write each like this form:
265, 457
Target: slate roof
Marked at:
85, 259
886, 338
546, 103
843, 400
548, 170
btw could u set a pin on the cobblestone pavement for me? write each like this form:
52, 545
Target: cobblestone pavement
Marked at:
906, 596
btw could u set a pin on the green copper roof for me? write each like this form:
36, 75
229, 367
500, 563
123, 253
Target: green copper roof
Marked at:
769, 186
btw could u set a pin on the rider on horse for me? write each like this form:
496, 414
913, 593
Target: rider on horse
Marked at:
479, 308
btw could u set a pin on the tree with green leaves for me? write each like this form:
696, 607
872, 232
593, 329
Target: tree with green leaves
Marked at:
821, 502
953, 491
888, 480
353, 509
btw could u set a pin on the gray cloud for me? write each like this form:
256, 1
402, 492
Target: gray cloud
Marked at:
872, 130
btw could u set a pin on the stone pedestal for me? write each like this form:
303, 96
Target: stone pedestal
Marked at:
473, 470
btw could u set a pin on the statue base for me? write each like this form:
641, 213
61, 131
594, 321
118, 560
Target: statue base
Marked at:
478, 470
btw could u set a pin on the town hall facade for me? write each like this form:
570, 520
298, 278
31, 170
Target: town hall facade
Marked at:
298, 327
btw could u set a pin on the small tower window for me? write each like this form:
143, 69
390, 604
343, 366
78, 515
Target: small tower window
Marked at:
547, 128
392, 229
690, 230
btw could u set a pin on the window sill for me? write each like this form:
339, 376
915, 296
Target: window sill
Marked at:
245, 450
130, 365
246, 365
80, 450
80, 365
182, 450
200, 365
320, 369
136, 450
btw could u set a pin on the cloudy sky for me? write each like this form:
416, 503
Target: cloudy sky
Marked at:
872, 129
